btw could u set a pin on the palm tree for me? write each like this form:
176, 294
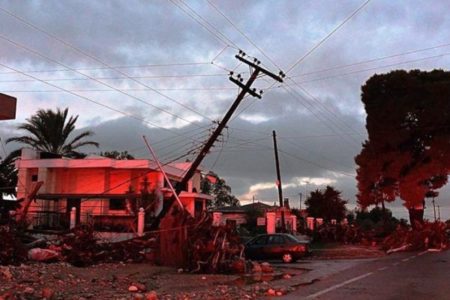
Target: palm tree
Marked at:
49, 132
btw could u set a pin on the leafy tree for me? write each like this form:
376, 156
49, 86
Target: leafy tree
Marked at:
407, 153
123, 155
49, 131
8, 176
252, 216
219, 189
378, 219
327, 204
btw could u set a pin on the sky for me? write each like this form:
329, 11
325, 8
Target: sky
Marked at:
160, 69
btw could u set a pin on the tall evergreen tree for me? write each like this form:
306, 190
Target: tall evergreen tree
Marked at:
407, 153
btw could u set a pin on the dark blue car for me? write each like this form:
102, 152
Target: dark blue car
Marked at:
276, 246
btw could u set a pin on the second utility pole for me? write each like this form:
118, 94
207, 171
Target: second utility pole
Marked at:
280, 190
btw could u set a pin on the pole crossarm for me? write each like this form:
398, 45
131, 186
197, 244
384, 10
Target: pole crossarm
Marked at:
256, 66
242, 86
245, 88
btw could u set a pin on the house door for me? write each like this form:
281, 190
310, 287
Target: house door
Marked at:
73, 202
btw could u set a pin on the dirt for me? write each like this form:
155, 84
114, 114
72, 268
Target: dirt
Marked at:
61, 280
125, 281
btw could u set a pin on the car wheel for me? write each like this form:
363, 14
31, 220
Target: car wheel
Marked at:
287, 258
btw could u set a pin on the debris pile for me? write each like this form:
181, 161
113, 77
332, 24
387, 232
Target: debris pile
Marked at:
429, 235
81, 248
213, 249
12, 249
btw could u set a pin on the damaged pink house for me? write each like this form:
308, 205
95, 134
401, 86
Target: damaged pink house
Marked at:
102, 191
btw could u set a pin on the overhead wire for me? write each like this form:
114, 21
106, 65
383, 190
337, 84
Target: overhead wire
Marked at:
91, 100
217, 34
91, 78
126, 89
371, 60
119, 78
370, 69
115, 67
93, 58
242, 33
323, 40
321, 118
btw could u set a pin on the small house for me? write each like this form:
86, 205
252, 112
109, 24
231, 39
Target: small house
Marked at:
239, 215
101, 191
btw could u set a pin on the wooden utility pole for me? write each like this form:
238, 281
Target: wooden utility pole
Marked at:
172, 244
255, 70
280, 190
434, 209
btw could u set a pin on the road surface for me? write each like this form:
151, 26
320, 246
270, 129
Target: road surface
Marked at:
413, 275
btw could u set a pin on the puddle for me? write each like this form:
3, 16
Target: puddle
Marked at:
259, 277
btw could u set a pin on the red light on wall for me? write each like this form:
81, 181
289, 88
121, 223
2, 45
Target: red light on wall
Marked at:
7, 107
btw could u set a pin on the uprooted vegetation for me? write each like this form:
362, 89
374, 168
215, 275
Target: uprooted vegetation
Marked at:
429, 235
80, 247
208, 249
12, 249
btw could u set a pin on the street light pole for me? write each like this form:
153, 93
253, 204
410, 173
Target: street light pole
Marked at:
300, 194
434, 209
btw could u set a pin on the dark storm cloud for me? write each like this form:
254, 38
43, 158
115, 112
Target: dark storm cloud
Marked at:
318, 136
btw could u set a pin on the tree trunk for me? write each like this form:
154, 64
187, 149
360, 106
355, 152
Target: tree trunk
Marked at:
416, 217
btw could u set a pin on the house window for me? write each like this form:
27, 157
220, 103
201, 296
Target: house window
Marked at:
34, 178
117, 204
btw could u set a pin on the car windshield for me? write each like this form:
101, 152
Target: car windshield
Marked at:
260, 240
292, 238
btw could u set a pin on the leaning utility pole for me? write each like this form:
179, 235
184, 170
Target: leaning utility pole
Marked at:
280, 190
173, 250
255, 70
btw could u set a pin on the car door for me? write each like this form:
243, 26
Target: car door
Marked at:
255, 248
275, 246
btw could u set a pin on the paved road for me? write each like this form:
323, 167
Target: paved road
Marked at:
422, 275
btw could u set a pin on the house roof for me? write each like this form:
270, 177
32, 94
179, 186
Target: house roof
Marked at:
174, 170
244, 208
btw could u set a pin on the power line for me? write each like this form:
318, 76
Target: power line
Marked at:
96, 80
311, 152
92, 101
99, 61
218, 35
297, 96
316, 100
127, 89
371, 69
116, 67
371, 60
119, 78
242, 33
328, 36
304, 160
